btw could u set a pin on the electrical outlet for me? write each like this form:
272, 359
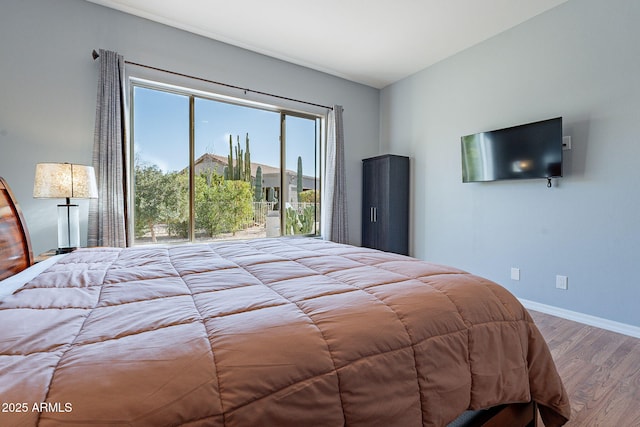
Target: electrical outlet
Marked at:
562, 282
515, 273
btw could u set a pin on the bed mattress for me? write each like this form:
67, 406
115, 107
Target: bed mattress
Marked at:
271, 332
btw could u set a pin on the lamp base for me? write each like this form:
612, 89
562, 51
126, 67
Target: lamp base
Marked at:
64, 250
68, 227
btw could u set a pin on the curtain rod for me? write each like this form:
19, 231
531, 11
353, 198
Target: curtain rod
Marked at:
95, 56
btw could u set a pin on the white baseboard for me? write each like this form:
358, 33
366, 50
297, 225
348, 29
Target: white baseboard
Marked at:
598, 322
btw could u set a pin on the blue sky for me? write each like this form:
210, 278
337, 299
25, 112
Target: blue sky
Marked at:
161, 131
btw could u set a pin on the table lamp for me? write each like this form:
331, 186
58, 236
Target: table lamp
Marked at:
66, 181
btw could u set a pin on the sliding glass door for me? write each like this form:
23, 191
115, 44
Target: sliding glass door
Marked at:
204, 169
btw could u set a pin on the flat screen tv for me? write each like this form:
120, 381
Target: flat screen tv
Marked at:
532, 150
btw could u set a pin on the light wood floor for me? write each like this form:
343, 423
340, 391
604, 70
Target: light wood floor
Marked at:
600, 370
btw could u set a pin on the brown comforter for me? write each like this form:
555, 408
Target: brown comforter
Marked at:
272, 332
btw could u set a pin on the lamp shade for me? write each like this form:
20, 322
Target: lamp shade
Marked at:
65, 180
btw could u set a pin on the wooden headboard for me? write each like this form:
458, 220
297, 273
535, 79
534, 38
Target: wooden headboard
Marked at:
15, 243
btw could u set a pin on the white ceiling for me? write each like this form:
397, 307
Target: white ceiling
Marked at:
374, 42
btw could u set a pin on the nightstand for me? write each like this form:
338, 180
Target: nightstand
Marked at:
45, 255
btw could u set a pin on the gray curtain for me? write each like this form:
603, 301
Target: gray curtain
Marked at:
107, 214
335, 199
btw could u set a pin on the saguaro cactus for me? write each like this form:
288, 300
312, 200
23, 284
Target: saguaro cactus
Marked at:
258, 196
299, 183
247, 160
230, 174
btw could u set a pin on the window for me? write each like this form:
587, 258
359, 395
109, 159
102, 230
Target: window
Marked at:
207, 169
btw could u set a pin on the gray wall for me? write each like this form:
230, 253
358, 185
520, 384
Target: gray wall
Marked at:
580, 61
48, 84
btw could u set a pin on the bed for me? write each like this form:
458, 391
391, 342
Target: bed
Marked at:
269, 332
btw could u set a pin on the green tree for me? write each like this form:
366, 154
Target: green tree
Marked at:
159, 199
208, 207
176, 214
308, 196
223, 206
148, 198
224, 202
236, 203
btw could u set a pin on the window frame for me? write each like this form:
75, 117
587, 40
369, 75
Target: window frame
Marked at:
192, 94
